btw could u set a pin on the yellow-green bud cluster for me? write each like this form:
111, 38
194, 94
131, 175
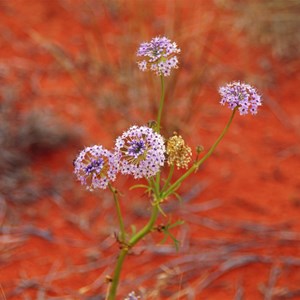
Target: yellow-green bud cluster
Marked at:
179, 154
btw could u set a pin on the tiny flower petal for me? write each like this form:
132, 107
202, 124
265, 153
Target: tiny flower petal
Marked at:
132, 296
159, 55
95, 167
241, 95
141, 151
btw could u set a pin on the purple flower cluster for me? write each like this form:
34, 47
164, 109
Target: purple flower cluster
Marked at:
241, 95
159, 55
132, 296
95, 167
141, 152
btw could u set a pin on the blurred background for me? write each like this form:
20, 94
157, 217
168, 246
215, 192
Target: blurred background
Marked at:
69, 79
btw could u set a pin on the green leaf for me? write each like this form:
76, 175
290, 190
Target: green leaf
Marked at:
143, 186
172, 191
168, 234
177, 223
178, 197
172, 237
161, 210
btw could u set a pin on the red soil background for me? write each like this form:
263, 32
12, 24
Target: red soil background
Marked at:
75, 62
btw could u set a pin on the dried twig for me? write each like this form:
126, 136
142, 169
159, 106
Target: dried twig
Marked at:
239, 295
27, 230
274, 274
231, 264
2, 293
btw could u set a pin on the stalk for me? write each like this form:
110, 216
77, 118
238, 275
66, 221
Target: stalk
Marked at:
135, 239
120, 218
161, 103
171, 171
198, 163
115, 280
149, 226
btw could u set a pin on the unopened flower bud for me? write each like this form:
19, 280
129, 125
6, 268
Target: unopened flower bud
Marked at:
152, 124
199, 149
178, 152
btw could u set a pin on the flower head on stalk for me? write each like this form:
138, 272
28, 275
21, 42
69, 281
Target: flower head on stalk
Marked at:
95, 167
141, 151
178, 152
159, 55
132, 296
241, 95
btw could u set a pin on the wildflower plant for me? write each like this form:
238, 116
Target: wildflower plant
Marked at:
242, 96
159, 55
143, 152
95, 167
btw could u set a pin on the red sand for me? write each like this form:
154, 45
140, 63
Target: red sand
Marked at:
253, 176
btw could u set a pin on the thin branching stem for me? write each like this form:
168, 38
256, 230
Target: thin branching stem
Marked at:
124, 251
169, 178
116, 278
198, 163
147, 228
119, 213
161, 103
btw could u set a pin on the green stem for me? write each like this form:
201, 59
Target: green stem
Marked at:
161, 103
155, 185
147, 228
115, 280
171, 171
121, 223
196, 165
135, 239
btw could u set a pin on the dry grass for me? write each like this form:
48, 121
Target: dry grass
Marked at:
25, 137
274, 23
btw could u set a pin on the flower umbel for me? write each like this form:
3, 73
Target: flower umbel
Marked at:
240, 95
132, 296
141, 152
159, 55
178, 152
95, 167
